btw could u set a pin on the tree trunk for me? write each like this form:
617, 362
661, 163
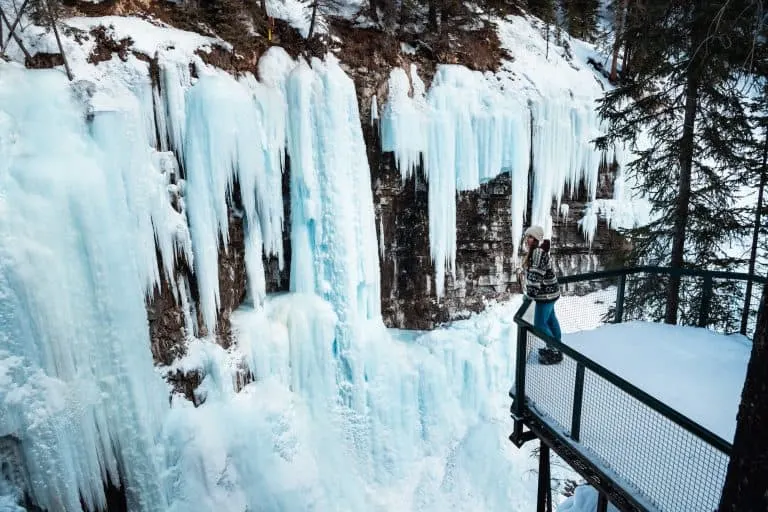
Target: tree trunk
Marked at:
433, 15
15, 37
686, 163
312, 21
755, 235
746, 484
625, 60
54, 18
263, 6
620, 17
373, 10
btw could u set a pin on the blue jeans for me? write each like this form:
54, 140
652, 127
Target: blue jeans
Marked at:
545, 320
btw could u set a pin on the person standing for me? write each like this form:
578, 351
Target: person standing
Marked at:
539, 282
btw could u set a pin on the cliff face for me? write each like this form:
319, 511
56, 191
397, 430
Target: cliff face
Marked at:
485, 262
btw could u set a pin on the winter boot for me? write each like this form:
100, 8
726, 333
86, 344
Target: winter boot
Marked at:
550, 356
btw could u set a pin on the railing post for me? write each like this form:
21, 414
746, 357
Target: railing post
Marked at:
578, 395
522, 346
602, 502
619, 316
747, 305
706, 301
544, 492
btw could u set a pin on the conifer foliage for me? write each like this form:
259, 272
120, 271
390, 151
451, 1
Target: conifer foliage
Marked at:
680, 112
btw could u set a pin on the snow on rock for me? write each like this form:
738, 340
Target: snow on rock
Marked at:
296, 13
147, 37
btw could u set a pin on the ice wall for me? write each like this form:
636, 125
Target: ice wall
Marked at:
88, 231
537, 112
430, 434
77, 256
342, 414
465, 132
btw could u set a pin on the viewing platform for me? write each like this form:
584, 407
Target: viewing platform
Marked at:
644, 411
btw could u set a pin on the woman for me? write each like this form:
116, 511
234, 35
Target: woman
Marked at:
541, 286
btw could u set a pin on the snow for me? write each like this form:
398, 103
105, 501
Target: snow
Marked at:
147, 36
297, 14
677, 365
584, 499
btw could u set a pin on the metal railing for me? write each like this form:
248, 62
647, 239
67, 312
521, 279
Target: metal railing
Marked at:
661, 459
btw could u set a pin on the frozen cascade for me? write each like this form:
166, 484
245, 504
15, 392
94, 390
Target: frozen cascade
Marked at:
77, 384
467, 132
227, 140
333, 226
174, 79
342, 415
432, 406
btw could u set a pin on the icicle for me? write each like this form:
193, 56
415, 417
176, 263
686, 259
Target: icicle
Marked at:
404, 124
474, 133
228, 138
588, 224
176, 79
75, 234
374, 110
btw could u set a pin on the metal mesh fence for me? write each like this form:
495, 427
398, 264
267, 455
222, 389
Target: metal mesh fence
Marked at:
655, 458
577, 314
552, 390
717, 304
671, 467
623, 431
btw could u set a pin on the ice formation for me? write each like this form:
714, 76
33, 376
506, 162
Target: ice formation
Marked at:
471, 126
341, 414
89, 230
465, 132
77, 256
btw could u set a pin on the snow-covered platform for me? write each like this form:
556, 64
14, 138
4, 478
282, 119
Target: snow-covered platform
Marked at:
646, 412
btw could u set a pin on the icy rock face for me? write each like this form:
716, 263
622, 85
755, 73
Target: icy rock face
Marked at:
484, 255
77, 256
492, 194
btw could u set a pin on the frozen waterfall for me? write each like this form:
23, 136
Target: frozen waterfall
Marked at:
107, 184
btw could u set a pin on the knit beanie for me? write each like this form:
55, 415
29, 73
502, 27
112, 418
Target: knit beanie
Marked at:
536, 232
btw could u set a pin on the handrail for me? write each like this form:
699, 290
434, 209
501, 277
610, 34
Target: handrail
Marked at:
629, 388
714, 274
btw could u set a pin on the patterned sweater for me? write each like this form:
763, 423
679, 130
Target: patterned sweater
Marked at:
541, 281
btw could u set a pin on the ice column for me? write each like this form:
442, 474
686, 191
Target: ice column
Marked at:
333, 229
230, 137
77, 382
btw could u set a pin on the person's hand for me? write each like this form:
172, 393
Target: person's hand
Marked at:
519, 274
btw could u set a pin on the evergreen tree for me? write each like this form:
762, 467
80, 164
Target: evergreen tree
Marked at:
544, 9
681, 114
757, 162
582, 18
